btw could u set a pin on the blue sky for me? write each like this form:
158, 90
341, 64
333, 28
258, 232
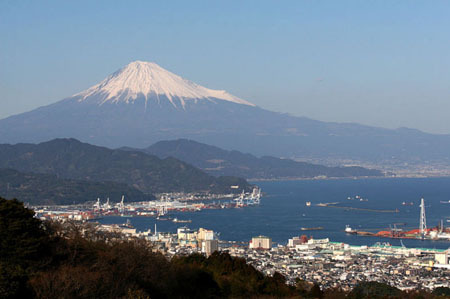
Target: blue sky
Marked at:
382, 63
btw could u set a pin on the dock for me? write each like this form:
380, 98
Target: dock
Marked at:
357, 209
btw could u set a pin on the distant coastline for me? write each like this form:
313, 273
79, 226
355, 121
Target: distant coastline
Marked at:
346, 178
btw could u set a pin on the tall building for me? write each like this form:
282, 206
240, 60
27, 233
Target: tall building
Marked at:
187, 237
261, 242
209, 246
205, 234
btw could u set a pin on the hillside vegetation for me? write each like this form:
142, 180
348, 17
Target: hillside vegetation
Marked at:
72, 159
47, 189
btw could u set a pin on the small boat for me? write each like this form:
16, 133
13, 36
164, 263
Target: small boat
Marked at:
308, 203
400, 223
181, 221
407, 203
311, 228
443, 201
127, 224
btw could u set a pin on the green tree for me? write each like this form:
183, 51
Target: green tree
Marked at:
441, 291
23, 247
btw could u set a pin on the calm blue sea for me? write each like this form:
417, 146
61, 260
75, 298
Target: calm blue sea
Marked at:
283, 211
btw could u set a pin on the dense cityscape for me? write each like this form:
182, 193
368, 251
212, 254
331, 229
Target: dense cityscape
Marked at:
314, 261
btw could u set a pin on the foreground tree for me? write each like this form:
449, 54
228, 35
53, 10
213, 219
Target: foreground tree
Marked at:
374, 289
442, 291
23, 248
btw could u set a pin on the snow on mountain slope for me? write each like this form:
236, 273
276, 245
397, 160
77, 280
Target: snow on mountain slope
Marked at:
149, 80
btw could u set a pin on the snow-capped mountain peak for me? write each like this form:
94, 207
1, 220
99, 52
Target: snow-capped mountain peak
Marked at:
147, 79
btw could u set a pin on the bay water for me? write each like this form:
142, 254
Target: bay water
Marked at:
283, 211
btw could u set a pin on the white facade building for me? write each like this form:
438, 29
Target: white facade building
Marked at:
261, 242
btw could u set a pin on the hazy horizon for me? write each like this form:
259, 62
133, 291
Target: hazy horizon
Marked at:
384, 64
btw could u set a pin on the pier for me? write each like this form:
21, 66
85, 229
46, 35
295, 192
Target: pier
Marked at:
357, 209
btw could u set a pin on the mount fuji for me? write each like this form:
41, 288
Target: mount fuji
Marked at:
148, 81
143, 103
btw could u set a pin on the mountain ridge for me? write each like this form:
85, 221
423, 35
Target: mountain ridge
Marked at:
72, 159
217, 161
